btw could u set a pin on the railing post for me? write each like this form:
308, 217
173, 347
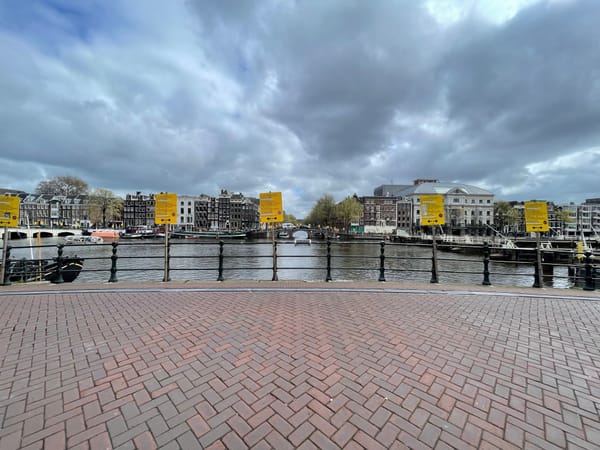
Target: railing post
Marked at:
5, 263
59, 263
220, 276
382, 261
434, 262
590, 284
275, 278
113, 266
328, 276
537, 272
486, 264
167, 266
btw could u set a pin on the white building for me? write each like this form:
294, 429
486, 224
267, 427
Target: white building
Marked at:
186, 211
468, 209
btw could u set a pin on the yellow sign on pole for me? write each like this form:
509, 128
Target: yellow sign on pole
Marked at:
165, 209
9, 211
432, 210
271, 207
536, 217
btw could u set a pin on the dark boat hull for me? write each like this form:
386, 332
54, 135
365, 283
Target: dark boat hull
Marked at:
43, 270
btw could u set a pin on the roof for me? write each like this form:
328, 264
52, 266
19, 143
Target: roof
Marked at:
444, 188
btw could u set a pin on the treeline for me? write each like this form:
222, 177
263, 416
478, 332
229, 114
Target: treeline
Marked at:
328, 213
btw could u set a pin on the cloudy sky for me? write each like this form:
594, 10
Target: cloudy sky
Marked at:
307, 97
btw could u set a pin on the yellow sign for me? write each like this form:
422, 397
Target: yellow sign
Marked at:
9, 211
536, 217
165, 209
271, 207
432, 210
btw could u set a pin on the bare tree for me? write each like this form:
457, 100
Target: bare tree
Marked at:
63, 185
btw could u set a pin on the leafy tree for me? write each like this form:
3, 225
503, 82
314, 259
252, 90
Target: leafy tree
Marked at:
63, 185
323, 213
290, 218
348, 211
103, 205
563, 217
506, 216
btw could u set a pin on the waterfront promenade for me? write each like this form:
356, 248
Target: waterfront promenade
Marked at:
298, 365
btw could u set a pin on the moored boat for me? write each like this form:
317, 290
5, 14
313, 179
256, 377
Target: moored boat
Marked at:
83, 239
110, 235
28, 270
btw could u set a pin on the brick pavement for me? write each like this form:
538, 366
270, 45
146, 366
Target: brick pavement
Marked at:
298, 368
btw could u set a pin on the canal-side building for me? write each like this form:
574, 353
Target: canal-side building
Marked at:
583, 219
244, 212
51, 210
204, 207
469, 210
138, 210
186, 205
227, 211
378, 214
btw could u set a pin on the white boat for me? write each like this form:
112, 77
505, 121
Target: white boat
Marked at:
83, 240
301, 238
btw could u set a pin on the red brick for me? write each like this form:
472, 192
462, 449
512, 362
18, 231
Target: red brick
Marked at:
145, 441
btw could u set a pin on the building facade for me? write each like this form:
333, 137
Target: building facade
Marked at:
49, 210
186, 205
138, 210
583, 219
378, 214
469, 210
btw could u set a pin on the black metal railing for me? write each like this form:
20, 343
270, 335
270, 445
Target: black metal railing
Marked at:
328, 260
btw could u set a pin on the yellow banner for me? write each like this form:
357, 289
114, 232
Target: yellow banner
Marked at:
271, 207
9, 211
432, 210
536, 217
165, 208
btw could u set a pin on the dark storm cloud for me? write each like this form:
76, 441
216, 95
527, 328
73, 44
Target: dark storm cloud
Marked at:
305, 97
527, 91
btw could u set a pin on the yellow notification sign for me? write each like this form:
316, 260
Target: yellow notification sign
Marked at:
9, 211
165, 208
536, 217
271, 207
432, 210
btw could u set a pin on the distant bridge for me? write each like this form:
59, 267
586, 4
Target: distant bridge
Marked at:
25, 233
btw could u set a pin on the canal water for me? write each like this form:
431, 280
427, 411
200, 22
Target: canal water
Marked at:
143, 260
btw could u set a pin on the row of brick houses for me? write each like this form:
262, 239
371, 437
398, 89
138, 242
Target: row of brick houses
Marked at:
227, 211
51, 210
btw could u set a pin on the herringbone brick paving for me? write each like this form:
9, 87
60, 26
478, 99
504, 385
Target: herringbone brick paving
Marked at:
297, 369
